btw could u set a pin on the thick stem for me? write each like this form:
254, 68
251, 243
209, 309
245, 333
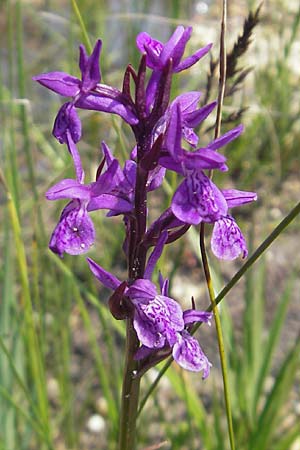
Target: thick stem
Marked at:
136, 269
130, 392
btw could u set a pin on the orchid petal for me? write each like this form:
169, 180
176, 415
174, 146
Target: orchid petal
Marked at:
74, 233
189, 355
197, 199
155, 255
226, 138
106, 278
60, 82
68, 188
227, 241
237, 198
193, 316
191, 60
99, 103
89, 67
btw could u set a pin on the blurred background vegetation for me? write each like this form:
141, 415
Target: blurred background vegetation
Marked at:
60, 351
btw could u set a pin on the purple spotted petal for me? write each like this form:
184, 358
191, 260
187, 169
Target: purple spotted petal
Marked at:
60, 82
227, 241
67, 119
189, 355
157, 321
74, 233
237, 198
197, 199
146, 331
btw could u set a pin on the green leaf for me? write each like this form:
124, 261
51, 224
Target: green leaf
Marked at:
267, 423
267, 349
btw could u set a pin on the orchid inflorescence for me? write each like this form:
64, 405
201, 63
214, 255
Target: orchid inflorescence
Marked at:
159, 126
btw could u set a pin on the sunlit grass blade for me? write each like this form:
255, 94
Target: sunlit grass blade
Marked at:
287, 440
30, 420
267, 348
188, 394
7, 306
269, 417
28, 326
85, 36
104, 376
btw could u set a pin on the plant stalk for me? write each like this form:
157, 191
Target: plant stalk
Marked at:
136, 269
130, 392
219, 337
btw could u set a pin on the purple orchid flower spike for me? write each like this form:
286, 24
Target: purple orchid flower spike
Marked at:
158, 55
75, 233
86, 93
227, 241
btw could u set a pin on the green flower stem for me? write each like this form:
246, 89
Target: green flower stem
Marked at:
219, 337
249, 263
130, 392
85, 36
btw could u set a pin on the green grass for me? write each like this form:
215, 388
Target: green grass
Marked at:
55, 327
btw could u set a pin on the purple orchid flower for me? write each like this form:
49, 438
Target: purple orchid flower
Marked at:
75, 232
182, 161
86, 93
158, 55
191, 116
159, 320
197, 199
